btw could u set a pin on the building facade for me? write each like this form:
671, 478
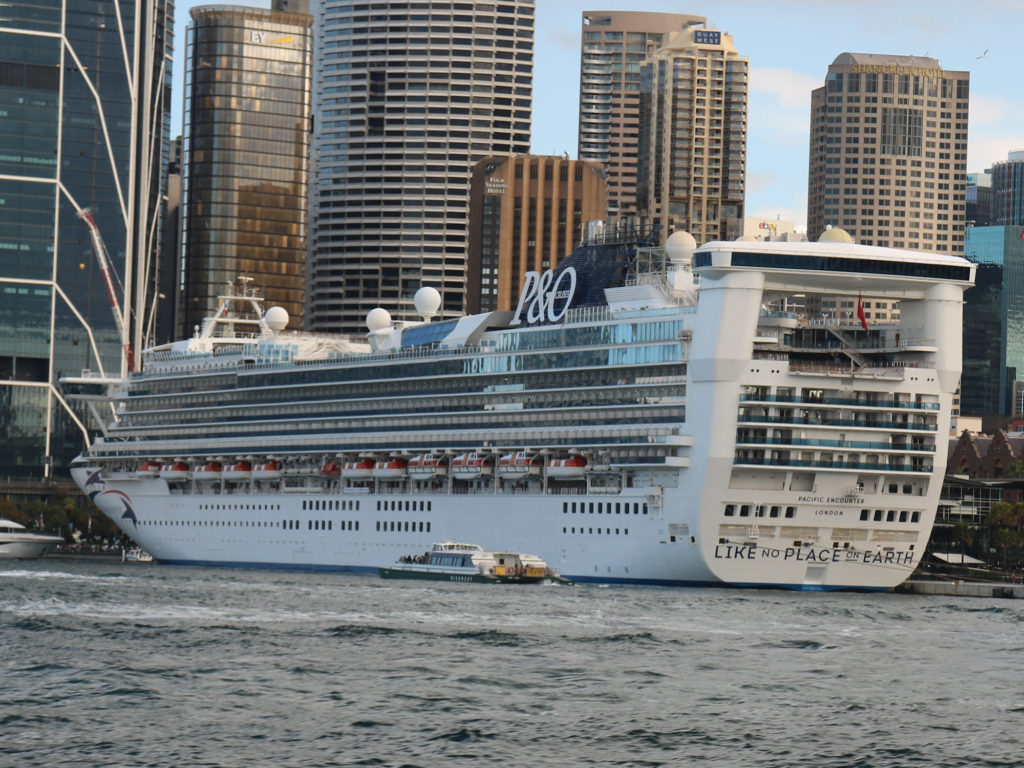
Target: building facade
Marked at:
993, 322
888, 152
978, 199
613, 48
407, 100
1007, 194
526, 213
693, 137
85, 98
248, 124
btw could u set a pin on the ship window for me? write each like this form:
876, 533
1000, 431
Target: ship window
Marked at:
303, 506
357, 525
878, 516
378, 505
428, 527
903, 515
730, 510
645, 509
565, 507
625, 531
378, 525
744, 510
618, 509
894, 488
915, 517
790, 511
563, 529
890, 516
591, 507
908, 488
864, 513
774, 512
760, 510
429, 503
590, 530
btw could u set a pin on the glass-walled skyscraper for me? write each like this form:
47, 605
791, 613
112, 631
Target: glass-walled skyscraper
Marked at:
409, 96
84, 99
247, 129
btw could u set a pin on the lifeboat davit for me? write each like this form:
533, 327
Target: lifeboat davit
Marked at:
574, 466
358, 470
427, 465
148, 469
240, 470
271, 470
175, 472
518, 464
469, 466
209, 471
331, 469
390, 469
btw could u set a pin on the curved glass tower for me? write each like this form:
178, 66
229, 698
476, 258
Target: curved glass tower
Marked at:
409, 96
247, 116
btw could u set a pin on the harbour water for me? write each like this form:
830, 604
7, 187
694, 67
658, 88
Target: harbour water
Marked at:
122, 664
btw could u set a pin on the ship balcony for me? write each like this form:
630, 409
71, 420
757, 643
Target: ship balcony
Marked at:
836, 465
863, 445
815, 421
888, 403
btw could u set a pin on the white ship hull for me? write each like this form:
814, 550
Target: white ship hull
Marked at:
707, 439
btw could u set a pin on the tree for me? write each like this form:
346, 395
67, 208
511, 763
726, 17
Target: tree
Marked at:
963, 533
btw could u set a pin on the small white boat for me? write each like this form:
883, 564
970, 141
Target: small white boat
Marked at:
136, 555
148, 469
18, 543
574, 466
390, 469
208, 471
239, 471
358, 470
174, 473
519, 464
427, 465
269, 470
469, 466
457, 561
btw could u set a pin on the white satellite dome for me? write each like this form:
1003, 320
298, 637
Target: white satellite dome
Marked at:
377, 319
427, 300
679, 246
276, 318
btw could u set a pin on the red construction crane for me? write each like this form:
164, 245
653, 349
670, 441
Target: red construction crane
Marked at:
104, 261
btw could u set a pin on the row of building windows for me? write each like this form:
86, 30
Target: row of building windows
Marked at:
328, 525
607, 531
404, 506
603, 507
325, 505
403, 526
759, 510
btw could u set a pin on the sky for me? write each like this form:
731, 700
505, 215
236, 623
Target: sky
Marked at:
790, 44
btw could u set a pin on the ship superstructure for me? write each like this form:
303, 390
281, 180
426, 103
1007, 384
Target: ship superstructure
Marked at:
694, 427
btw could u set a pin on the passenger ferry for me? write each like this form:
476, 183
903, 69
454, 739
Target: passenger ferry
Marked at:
678, 416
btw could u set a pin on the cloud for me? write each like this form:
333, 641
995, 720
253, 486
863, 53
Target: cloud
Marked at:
789, 87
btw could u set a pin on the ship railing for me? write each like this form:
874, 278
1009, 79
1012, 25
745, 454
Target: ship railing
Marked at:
835, 444
874, 467
747, 418
901, 404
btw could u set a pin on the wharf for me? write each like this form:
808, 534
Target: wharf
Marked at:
962, 588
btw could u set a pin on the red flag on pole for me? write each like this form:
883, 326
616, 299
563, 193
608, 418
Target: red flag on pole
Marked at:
860, 311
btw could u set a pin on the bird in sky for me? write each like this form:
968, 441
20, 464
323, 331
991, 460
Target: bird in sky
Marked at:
984, 54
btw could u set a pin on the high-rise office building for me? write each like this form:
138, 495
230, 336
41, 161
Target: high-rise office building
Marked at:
993, 333
525, 213
408, 97
693, 138
888, 159
84, 93
614, 46
248, 117
1007, 194
978, 199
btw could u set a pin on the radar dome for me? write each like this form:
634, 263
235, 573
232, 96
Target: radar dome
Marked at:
835, 235
377, 319
679, 246
276, 318
427, 300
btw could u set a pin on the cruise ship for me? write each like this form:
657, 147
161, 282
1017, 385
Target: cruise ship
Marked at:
682, 416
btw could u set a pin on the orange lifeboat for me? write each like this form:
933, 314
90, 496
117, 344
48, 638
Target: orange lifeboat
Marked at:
331, 469
469, 466
148, 469
518, 465
358, 470
390, 469
427, 465
270, 470
574, 466
209, 471
240, 470
175, 472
